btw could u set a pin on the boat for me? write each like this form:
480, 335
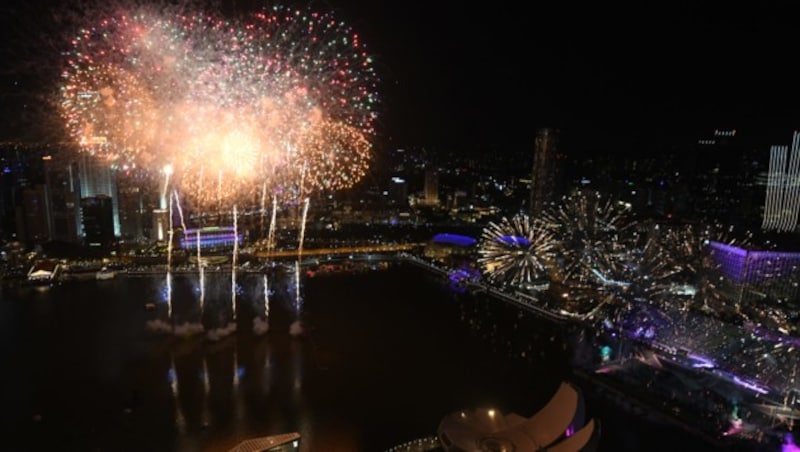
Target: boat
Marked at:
105, 273
43, 273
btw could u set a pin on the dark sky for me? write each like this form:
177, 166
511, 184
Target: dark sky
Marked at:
464, 73
601, 73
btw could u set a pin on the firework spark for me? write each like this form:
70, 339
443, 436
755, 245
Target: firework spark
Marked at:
594, 233
696, 267
515, 251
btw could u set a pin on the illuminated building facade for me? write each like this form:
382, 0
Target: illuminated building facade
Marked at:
431, 188
545, 172
160, 226
782, 202
210, 238
99, 179
755, 276
446, 247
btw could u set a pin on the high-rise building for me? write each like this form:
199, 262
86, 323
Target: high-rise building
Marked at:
33, 218
131, 212
782, 202
717, 179
160, 228
100, 179
98, 220
545, 173
14, 179
61, 180
757, 278
398, 191
431, 188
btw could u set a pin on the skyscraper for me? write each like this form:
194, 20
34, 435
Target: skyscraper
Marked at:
14, 178
61, 179
99, 179
545, 172
782, 203
398, 192
431, 188
131, 210
98, 220
33, 216
160, 226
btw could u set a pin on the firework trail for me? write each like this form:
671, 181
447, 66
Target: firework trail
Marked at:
271, 235
201, 273
263, 207
167, 173
169, 261
302, 236
180, 209
233, 261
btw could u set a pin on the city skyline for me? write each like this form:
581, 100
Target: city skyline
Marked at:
219, 225
455, 76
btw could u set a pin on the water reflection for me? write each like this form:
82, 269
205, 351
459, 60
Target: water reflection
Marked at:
241, 385
222, 392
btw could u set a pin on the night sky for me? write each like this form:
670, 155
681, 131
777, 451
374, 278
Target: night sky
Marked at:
610, 77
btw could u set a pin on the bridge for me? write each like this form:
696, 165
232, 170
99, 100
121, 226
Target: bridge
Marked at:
364, 249
266, 443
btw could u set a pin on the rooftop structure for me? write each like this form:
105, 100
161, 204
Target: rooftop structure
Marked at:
757, 276
44, 270
454, 239
283, 442
559, 426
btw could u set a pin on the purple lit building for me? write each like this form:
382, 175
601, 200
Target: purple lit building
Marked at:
451, 248
758, 275
210, 238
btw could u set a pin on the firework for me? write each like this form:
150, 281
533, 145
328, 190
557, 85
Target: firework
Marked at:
594, 233
232, 104
697, 278
646, 269
120, 72
109, 114
336, 154
516, 251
